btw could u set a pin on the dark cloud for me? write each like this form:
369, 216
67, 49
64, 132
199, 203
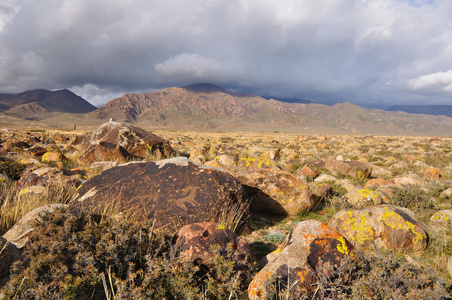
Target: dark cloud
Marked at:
369, 52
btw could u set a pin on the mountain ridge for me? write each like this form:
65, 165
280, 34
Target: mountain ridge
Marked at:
39, 101
212, 107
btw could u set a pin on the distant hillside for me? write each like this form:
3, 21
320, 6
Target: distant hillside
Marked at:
207, 106
4, 96
436, 110
40, 101
288, 100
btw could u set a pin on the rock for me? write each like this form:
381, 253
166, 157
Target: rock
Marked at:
30, 161
196, 242
31, 190
325, 178
309, 172
406, 179
50, 176
256, 162
226, 159
441, 221
432, 174
399, 165
378, 171
447, 193
99, 166
55, 157
198, 152
4, 178
340, 158
8, 254
319, 190
311, 248
350, 168
114, 141
420, 164
20, 145
382, 226
289, 191
363, 198
449, 266
36, 151
198, 159
171, 190
349, 185
374, 184
20, 232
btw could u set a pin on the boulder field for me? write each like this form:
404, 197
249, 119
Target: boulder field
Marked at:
311, 202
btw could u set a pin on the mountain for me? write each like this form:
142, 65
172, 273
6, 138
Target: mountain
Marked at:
206, 106
288, 100
436, 110
42, 101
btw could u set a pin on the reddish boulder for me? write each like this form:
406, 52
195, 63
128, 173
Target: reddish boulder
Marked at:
197, 242
171, 190
312, 248
114, 141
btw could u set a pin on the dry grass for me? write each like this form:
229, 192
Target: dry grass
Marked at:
15, 205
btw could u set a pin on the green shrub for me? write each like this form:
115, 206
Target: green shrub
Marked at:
415, 199
388, 276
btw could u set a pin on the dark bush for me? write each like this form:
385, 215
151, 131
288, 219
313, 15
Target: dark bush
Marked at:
76, 255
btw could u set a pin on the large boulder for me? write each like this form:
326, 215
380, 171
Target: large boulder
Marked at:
20, 232
197, 242
283, 187
312, 248
114, 141
382, 226
174, 190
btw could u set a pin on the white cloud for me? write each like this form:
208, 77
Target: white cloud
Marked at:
437, 81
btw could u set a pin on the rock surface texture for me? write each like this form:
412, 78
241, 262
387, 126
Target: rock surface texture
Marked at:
283, 187
171, 191
311, 248
381, 226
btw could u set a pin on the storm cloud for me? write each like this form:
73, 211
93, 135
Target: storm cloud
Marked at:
374, 53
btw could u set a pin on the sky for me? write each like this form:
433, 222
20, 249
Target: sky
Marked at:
374, 53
